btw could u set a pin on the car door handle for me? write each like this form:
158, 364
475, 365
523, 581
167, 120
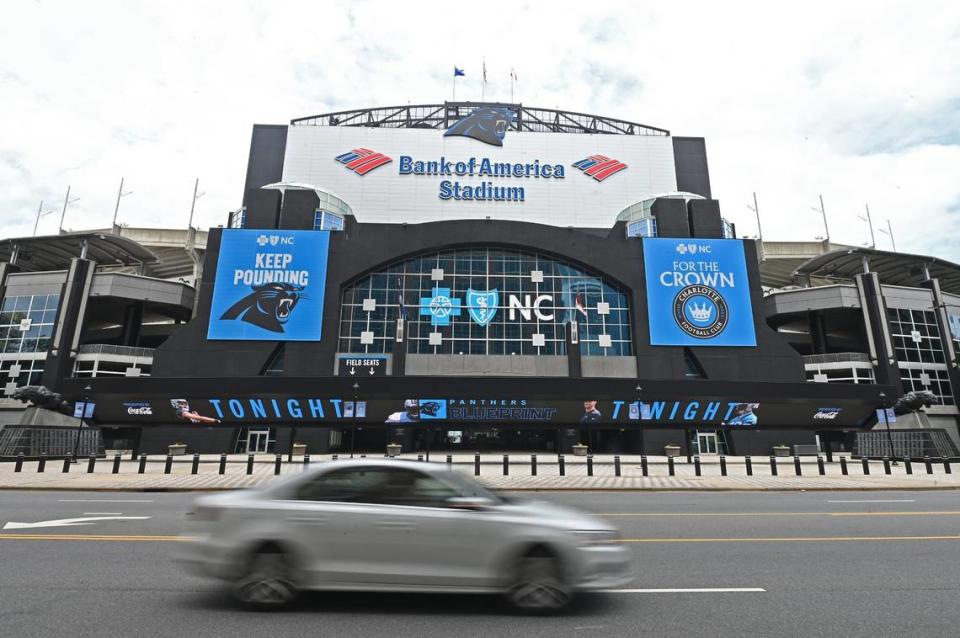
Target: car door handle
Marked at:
309, 520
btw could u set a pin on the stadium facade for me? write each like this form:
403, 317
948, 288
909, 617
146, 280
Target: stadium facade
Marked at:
470, 276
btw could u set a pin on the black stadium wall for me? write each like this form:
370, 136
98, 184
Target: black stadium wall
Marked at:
361, 248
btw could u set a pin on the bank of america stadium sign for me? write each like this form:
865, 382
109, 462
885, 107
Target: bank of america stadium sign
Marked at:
490, 179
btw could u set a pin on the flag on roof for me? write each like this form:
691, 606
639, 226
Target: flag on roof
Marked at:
458, 72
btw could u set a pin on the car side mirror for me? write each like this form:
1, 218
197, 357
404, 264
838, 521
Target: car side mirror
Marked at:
469, 502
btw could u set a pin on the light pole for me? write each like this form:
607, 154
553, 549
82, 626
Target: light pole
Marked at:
353, 420
638, 390
756, 210
889, 233
869, 220
86, 400
822, 211
66, 202
193, 202
886, 420
40, 213
116, 209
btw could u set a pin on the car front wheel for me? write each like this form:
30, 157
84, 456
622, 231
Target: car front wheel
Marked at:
539, 586
267, 582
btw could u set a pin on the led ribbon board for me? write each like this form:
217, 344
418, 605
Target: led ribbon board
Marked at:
698, 293
269, 285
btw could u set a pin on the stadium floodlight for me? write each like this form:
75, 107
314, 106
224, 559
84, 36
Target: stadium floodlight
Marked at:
120, 194
889, 233
40, 213
873, 241
822, 211
66, 202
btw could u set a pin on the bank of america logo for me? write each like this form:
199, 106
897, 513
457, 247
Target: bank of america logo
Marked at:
362, 160
599, 167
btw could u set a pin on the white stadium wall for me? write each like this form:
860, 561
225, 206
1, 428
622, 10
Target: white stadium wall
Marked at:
384, 194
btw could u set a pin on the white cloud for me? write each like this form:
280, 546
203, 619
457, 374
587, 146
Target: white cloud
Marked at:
856, 101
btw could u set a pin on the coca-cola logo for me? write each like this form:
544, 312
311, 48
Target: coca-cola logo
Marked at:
140, 408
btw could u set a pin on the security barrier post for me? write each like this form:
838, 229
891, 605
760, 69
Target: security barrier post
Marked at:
696, 465
116, 463
223, 464
195, 466
723, 465
616, 465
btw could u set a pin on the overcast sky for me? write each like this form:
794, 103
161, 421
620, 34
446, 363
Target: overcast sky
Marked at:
857, 101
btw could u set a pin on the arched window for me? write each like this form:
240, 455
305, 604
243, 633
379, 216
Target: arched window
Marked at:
485, 301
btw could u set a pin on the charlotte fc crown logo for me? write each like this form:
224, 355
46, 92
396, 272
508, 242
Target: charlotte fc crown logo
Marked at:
486, 124
700, 311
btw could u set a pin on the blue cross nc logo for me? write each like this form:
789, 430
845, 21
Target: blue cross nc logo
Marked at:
440, 307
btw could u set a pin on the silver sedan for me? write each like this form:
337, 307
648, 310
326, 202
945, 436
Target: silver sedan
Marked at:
386, 525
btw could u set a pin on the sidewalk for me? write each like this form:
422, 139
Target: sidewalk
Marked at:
520, 475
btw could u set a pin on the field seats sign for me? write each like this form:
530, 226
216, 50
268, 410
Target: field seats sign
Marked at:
269, 285
698, 293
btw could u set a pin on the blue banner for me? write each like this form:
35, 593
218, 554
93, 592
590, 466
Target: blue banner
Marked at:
270, 285
698, 293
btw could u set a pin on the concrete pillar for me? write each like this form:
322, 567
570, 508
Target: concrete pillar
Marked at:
69, 323
877, 328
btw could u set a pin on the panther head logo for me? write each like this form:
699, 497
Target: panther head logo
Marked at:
487, 124
268, 306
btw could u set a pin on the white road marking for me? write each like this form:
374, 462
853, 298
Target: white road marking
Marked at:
94, 500
694, 590
880, 500
103, 513
64, 522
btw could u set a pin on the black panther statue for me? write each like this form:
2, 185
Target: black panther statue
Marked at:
268, 306
41, 397
913, 401
486, 124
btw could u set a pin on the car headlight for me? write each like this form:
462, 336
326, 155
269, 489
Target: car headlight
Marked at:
595, 537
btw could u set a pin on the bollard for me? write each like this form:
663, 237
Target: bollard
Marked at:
562, 464
723, 465
643, 464
506, 464
689, 456
91, 462
133, 455
829, 454
116, 463
843, 465
773, 466
820, 468
66, 464
696, 465
670, 465
276, 465
19, 465
926, 461
908, 465
306, 462
333, 458
946, 465
449, 460
866, 465
886, 465
476, 464
589, 465
143, 464
420, 457
749, 465
168, 465
616, 465
533, 465
42, 465
223, 464
195, 467
796, 466
249, 464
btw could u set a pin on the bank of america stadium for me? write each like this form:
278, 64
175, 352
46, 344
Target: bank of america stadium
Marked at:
479, 276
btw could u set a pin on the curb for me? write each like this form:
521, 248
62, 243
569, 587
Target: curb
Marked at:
927, 488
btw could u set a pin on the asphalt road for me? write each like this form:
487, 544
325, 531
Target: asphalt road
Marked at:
829, 564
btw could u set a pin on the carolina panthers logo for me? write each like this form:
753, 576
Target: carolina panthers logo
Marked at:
268, 306
486, 124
